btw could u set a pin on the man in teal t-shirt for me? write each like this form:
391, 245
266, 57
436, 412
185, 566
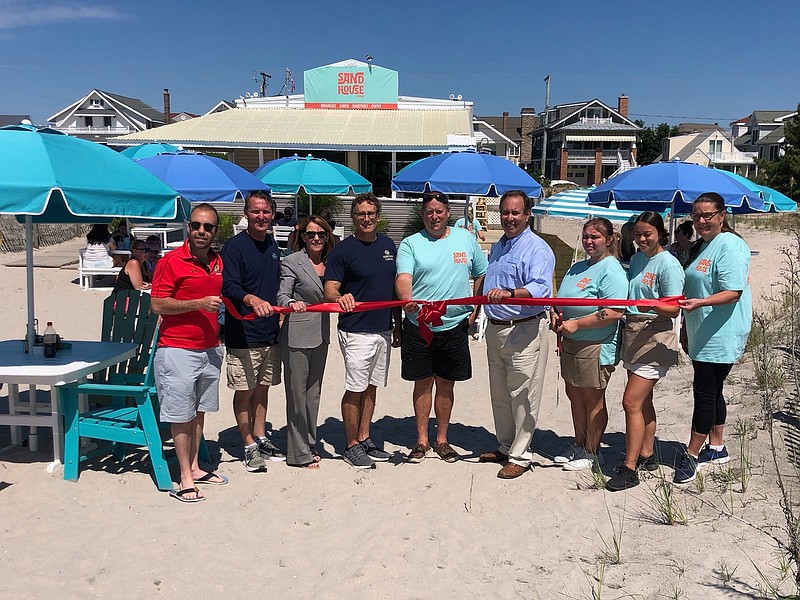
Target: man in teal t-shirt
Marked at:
436, 264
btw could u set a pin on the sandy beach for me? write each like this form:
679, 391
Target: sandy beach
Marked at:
401, 531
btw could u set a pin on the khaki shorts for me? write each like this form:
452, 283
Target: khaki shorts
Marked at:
249, 367
580, 365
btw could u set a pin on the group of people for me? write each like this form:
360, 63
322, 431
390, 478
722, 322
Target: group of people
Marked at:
442, 263
137, 257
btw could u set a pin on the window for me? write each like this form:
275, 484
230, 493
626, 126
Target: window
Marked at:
96, 102
89, 121
106, 121
594, 112
714, 146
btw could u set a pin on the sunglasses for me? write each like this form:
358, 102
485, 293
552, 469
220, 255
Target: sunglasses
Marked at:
316, 234
434, 196
706, 216
207, 227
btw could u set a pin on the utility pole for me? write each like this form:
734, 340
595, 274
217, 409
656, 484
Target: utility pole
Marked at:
544, 124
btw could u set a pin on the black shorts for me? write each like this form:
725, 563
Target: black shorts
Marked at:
447, 356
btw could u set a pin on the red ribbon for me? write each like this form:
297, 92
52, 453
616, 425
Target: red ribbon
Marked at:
431, 311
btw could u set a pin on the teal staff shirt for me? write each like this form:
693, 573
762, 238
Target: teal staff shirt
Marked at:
441, 270
651, 278
605, 279
718, 334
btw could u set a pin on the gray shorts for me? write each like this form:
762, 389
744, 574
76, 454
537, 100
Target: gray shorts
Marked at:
187, 382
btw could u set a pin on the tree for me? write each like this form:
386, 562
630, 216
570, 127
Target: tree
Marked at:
650, 146
783, 174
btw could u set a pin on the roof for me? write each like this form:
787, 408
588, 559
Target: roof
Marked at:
696, 127
514, 126
762, 116
322, 129
743, 140
773, 137
137, 105
12, 119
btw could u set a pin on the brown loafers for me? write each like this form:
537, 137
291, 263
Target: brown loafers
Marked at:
493, 457
511, 471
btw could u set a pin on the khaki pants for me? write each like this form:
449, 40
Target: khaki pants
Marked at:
517, 357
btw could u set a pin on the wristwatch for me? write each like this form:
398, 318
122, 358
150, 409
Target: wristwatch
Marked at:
511, 291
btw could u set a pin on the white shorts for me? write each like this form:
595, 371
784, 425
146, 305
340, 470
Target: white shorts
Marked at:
366, 359
646, 371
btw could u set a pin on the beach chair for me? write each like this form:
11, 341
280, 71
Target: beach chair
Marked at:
127, 318
119, 423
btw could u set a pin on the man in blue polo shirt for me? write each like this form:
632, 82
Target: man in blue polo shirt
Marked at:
253, 360
361, 268
520, 266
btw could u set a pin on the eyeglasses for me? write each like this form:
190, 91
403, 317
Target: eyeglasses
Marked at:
152, 250
139, 250
207, 227
315, 234
366, 215
706, 216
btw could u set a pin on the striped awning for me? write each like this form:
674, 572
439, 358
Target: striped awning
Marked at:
572, 205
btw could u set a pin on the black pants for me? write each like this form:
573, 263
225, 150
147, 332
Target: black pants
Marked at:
709, 404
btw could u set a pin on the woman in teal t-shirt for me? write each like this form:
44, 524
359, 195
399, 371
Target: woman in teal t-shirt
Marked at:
649, 347
589, 346
718, 313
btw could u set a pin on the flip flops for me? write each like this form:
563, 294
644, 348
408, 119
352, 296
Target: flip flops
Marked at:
181, 495
208, 479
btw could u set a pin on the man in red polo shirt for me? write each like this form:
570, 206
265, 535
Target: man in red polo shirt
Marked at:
186, 292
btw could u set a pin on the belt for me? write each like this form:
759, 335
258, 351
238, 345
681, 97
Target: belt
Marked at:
515, 321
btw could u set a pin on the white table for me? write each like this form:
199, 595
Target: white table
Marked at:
162, 231
32, 369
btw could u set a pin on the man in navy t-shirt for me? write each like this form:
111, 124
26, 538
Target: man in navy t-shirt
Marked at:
362, 268
253, 360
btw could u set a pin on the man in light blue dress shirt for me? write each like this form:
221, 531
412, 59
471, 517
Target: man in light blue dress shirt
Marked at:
521, 265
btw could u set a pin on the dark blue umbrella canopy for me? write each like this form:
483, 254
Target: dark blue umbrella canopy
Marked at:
673, 186
202, 178
467, 173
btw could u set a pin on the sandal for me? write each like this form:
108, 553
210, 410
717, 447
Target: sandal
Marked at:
181, 495
446, 452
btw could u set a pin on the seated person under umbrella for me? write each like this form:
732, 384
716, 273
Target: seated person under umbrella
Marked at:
132, 276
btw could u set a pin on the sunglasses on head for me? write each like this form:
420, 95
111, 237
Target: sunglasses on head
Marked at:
434, 196
207, 227
314, 234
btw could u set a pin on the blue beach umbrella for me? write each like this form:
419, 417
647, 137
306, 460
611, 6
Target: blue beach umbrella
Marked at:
673, 186
202, 178
148, 150
774, 201
467, 173
49, 177
571, 204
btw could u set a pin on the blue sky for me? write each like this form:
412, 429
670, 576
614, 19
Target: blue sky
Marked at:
704, 60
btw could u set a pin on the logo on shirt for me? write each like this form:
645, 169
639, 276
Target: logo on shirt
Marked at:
216, 268
387, 255
649, 279
459, 258
583, 283
703, 265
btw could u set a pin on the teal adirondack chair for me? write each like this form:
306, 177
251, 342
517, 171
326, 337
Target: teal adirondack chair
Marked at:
131, 418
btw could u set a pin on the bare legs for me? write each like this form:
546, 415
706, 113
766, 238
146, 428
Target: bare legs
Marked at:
187, 437
640, 419
357, 411
442, 405
250, 410
589, 416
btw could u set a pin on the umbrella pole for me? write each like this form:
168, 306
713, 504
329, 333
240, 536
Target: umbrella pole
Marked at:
31, 333
310, 205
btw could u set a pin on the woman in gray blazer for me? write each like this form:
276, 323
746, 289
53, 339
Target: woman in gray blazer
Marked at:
304, 338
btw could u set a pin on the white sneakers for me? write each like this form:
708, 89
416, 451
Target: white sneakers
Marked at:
577, 458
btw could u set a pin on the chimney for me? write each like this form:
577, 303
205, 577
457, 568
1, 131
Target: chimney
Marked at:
622, 105
505, 123
167, 119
